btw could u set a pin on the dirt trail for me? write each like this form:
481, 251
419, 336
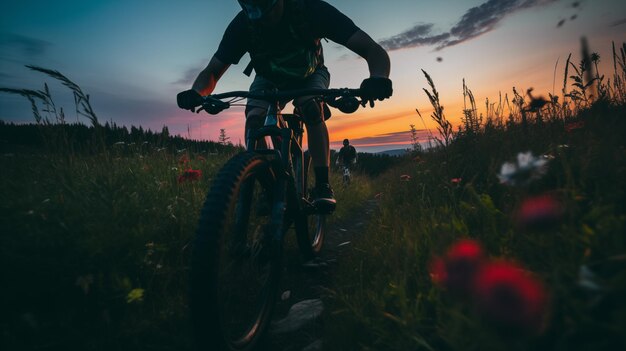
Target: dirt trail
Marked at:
306, 285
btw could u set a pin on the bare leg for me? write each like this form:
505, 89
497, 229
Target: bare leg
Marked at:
254, 120
319, 145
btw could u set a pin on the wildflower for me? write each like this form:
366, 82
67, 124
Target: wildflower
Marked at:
569, 127
405, 177
526, 169
456, 181
135, 295
437, 271
457, 269
508, 296
588, 280
183, 160
190, 175
539, 212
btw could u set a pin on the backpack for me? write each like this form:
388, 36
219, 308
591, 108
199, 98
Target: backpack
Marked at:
297, 59
349, 153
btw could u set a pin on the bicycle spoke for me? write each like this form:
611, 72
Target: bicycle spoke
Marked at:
234, 268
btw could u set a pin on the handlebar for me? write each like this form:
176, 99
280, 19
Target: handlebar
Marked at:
275, 95
343, 99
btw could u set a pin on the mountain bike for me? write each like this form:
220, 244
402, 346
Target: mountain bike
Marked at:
253, 201
346, 175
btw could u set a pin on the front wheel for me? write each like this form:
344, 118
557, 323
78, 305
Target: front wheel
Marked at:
236, 257
346, 175
310, 226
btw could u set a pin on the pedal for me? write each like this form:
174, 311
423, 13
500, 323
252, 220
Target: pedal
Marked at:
320, 208
324, 207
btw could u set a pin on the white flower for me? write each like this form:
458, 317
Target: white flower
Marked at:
527, 168
524, 159
507, 170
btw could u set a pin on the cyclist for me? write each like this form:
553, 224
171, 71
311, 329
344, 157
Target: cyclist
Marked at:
347, 154
283, 38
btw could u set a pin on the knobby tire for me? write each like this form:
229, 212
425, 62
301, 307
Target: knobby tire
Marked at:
214, 249
310, 228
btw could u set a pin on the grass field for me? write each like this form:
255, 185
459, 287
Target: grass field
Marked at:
508, 236
95, 248
94, 245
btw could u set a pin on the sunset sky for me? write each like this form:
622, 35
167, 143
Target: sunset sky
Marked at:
132, 57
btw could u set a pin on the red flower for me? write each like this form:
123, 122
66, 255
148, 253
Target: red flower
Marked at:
457, 269
539, 212
437, 271
405, 177
569, 127
190, 175
183, 160
507, 295
456, 181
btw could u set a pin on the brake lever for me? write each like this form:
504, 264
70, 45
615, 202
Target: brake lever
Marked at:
213, 106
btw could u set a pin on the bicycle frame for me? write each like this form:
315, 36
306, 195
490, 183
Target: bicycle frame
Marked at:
290, 131
282, 134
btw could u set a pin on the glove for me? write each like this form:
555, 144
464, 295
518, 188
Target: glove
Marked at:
375, 88
189, 99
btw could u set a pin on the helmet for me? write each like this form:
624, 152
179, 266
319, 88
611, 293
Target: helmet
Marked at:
346, 142
256, 9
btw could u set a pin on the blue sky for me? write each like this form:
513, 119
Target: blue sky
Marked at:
133, 56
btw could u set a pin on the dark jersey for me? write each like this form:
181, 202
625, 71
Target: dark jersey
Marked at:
347, 154
323, 20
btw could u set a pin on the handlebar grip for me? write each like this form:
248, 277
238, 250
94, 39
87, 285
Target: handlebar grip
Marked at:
348, 104
214, 106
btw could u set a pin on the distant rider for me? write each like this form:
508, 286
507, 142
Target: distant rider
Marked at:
347, 154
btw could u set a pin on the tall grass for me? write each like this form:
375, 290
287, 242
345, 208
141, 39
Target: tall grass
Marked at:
384, 298
95, 250
94, 240
81, 235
